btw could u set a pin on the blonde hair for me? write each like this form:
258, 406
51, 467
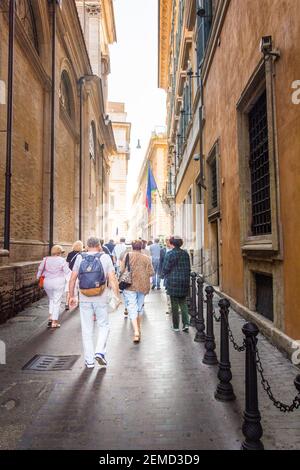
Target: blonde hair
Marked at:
57, 250
77, 246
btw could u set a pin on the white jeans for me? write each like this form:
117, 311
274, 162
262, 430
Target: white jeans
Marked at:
87, 311
54, 289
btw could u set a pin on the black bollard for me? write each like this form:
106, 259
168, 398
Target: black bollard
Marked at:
200, 325
210, 357
224, 390
193, 309
252, 428
297, 383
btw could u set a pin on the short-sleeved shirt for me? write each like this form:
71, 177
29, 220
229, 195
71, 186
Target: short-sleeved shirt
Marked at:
107, 267
118, 250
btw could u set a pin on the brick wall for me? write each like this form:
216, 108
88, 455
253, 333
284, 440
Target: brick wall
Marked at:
18, 288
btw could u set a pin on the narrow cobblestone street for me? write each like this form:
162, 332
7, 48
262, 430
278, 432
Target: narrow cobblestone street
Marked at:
155, 395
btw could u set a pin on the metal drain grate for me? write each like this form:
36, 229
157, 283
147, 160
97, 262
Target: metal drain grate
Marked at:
46, 363
22, 319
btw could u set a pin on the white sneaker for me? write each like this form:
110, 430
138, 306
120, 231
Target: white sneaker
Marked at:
89, 366
175, 329
100, 358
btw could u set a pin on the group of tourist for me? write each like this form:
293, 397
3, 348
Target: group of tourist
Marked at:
94, 275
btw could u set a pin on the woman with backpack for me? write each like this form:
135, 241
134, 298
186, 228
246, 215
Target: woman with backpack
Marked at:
77, 248
53, 270
141, 270
95, 271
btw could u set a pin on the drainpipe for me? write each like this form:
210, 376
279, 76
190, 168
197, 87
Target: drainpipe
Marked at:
102, 196
10, 86
201, 154
52, 131
81, 83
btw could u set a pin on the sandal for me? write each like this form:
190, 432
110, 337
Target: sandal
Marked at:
136, 339
55, 326
49, 324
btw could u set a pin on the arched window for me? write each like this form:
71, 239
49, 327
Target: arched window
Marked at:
26, 15
93, 141
65, 93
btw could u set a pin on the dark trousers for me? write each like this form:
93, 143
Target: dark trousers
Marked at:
176, 304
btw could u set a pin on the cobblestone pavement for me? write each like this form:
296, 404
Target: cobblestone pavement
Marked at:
155, 395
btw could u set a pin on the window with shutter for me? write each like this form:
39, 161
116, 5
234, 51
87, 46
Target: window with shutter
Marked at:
203, 29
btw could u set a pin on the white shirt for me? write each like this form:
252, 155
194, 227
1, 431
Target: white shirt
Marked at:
119, 249
53, 267
107, 268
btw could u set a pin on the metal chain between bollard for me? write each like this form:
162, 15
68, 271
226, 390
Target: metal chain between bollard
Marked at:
233, 342
267, 387
231, 337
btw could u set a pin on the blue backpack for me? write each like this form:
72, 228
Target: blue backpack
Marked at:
92, 279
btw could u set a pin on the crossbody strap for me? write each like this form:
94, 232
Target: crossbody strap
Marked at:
127, 264
74, 257
44, 267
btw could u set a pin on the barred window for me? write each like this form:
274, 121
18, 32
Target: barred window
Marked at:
65, 93
92, 141
259, 168
25, 13
264, 295
214, 184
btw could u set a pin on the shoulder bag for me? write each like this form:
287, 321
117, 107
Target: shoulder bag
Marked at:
125, 279
42, 278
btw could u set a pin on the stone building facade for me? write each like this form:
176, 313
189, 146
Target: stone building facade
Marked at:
117, 210
157, 223
233, 130
83, 136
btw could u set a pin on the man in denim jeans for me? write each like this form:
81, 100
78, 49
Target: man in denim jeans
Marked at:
94, 305
155, 250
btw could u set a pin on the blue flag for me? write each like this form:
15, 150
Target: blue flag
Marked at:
151, 187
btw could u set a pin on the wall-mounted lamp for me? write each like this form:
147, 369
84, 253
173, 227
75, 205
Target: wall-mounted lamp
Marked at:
266, 47
191, 74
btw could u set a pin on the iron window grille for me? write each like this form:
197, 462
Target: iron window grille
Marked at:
214, 184
264, 295
260, 168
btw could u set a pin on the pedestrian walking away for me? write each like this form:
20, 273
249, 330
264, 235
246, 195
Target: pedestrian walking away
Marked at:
141, 271
155, 250
77, 248
95, 271
55, 270
118, 250
163, 253
106, 249
122, 257
176, 270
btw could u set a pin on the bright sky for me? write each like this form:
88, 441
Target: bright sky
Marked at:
133, 79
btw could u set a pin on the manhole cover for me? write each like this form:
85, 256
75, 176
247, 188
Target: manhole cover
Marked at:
47, 363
